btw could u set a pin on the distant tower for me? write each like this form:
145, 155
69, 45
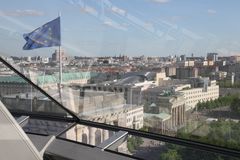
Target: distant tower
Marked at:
183, 57
179, 59
29, 59
55, 56
205, 84
212, 57
217, 69
232, 78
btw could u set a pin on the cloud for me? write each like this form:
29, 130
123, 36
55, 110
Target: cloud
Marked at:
169, 38
169, 25
211, 11
20, 13
109, 22
9, 30
149, 26
89, 10
175, 19
191, 34
160, 1
227, 52
118, 11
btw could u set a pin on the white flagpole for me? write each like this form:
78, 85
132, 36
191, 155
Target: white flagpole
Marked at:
60, 66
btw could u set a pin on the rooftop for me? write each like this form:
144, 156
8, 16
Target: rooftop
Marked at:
162, 116
49, 79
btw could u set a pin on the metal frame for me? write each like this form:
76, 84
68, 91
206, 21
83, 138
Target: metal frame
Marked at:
66, 129
149, 135
106, 150
37, 87
119, 137
23, 120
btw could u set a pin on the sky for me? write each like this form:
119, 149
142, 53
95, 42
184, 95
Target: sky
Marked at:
126, 27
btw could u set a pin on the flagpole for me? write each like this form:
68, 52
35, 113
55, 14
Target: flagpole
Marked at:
60, 66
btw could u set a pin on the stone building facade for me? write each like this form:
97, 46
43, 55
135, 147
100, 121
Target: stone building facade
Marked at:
168, 114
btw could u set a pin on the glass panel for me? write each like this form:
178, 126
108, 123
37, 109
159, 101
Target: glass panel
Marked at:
21, 97
156, 150
87, 135
45, 127
160, 66
139, 147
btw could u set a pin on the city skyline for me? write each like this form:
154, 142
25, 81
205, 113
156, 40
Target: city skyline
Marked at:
133, 28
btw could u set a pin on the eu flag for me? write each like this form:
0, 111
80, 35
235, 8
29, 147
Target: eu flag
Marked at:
47, 35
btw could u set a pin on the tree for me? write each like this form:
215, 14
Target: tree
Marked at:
220, 102
171, 154
134, 142
130, 147
235, 105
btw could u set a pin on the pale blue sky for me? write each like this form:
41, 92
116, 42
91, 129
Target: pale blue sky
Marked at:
130, 27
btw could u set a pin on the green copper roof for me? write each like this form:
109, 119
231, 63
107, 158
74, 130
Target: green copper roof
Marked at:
48, 79
65, 77
162, 116
12, 79
73, 76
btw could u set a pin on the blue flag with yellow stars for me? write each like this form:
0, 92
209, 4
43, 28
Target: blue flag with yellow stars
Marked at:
47, 35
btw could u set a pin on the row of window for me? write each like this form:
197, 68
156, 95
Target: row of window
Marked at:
135, 112
204, 99
202, 95
137, 117
216, 89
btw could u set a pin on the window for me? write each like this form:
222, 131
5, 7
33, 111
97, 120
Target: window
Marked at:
108, 45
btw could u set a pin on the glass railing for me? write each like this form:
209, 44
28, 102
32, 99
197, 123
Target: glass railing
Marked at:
49, 118
156, 150
209, 122
139, 147
21, 97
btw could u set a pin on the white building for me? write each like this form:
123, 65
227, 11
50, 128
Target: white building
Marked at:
209, 91
160, 77
168, 114
194, 90
134, 118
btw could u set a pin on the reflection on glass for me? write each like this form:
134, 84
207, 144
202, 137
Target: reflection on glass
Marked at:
156, 150
19, 96
167, 74
88, 135
44, 127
